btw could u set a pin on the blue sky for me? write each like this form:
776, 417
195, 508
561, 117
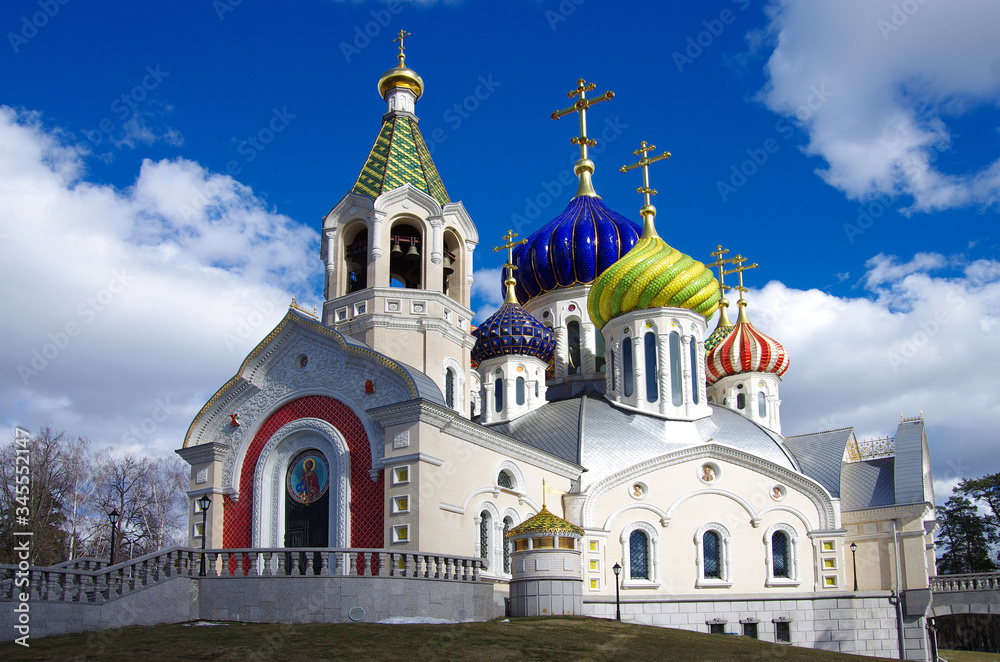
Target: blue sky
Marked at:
167, 167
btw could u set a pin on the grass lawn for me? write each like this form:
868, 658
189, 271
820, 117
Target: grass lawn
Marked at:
965, 656
545, 639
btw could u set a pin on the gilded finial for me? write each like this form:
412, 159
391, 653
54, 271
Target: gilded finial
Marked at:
720, 263
299, 308
584, 168
510, 282
648, 211
739, 269
402, 56
543, 493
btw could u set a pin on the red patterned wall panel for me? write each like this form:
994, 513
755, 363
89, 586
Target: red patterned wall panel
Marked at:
367, 496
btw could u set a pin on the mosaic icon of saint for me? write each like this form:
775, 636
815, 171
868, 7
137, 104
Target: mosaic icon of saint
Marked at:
308, 486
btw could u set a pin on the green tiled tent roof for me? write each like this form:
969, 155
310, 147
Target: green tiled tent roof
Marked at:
400, 156
545, 522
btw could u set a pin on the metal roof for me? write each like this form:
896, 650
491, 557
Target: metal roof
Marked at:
820, 456
868, 484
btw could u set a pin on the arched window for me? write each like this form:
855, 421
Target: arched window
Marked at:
498, 394
504, 480
782, 542
600, 350
638, 554
639, 541
449, 388
649, 347
780, 566
695, 391
761, 404
741, 400
712, 540
519, 390
405, 261
508, 524
712, 545
676, 396
628, 376
485, 529
356, 257
573, 337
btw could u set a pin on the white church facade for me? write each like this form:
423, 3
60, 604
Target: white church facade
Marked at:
388, 421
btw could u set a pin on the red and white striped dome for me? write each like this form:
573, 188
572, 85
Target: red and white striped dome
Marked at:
744, 350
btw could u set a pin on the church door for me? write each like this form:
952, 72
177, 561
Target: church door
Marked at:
307, 505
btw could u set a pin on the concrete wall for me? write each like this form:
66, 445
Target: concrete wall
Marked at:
263, 600
172, 601
864, 624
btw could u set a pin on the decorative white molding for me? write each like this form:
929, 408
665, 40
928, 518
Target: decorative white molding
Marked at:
652, 554
815, 492
515, 473
793, 556
711, 582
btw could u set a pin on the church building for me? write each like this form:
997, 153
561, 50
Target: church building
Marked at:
387, 420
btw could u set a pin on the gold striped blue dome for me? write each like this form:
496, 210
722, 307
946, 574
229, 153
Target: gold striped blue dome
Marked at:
574, 248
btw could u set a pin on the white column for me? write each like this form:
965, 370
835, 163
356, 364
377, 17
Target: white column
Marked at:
666, 397
588, 348
562, 351
437, 238
686, 341
639, 367
375, 234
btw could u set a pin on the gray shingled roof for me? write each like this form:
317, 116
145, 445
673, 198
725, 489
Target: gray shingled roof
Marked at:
820, 455
426, 386
590, 431
868, 484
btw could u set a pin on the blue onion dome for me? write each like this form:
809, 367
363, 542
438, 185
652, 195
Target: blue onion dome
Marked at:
512, 331
574, 248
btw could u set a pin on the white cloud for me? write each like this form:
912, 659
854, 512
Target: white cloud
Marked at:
486, 290
127, 309
874, 84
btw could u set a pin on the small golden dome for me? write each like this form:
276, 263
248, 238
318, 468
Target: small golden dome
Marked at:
401, 76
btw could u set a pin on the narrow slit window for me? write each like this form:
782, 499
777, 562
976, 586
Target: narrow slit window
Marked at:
676, 396
695, 391
649, 345
627, 376
519, 390
498, 395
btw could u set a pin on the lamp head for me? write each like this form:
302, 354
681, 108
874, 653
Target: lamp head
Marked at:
204, 501
617, 568
854, 547
113, 517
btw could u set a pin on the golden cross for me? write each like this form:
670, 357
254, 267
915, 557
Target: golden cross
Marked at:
510, 266
720, 263
581, 106
739, 269
402, 34
643, 163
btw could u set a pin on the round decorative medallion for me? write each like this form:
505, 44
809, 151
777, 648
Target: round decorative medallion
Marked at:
308, 477
638, 490
572, 307
778, 492
709, 472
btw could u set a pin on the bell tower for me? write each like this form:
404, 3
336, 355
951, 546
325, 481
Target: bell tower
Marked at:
398, 251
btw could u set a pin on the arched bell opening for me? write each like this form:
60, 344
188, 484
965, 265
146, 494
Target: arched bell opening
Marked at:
356, 257
406, 256
451, 266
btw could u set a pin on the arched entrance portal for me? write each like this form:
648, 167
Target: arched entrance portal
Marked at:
307, 501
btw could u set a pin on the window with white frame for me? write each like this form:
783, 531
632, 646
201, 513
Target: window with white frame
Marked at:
485, 535
782, 541
508, 524
712, 541
639, 542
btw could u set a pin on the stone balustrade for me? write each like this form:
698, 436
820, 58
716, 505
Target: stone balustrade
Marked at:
72, 582
982, 581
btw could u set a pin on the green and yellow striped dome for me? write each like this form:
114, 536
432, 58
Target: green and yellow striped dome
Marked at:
653, 275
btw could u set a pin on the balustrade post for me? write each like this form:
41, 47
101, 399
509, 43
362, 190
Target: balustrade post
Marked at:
324, 563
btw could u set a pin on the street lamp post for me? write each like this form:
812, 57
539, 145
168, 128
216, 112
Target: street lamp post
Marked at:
618, 603
204, 502
854, 560
113, 518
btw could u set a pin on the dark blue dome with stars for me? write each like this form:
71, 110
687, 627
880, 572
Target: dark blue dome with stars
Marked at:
574, 248
512, 331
